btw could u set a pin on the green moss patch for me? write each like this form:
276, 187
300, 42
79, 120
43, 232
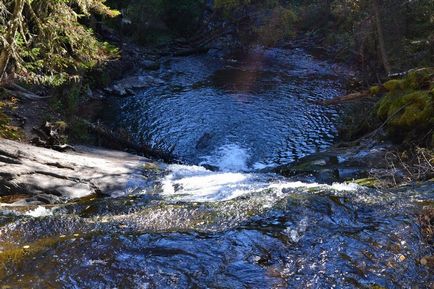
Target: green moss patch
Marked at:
394, 85
374, 90
408, 106
368, 182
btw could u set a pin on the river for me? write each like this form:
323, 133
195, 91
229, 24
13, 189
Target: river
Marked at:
221, 219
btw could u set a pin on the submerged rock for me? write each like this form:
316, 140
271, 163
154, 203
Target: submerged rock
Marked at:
204, 141
340, 163
126, 86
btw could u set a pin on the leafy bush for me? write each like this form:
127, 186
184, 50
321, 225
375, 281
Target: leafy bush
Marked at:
263, 22
43, 41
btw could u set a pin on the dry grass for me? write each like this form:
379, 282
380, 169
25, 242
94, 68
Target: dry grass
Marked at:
406, 167
426, 221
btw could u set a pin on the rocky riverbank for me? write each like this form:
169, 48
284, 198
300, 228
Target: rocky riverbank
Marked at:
31, 175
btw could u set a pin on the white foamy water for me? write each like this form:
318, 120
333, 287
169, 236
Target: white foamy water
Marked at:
39, 211
197, 184
229, 158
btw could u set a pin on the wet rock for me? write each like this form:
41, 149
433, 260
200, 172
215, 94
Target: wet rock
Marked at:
126, 86
204, 141
367, 182
341, 163
47, 176
51, 135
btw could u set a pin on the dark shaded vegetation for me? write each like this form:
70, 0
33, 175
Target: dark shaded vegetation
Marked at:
157, 21
381, 36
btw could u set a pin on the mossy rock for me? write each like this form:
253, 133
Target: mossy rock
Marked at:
419, 78
409, 104
13, 256
375, 286
374, 90
151, 167
416, 110
394, 85
416, 79
367, 182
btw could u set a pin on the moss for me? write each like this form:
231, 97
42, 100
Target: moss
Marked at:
151, 167
416, 110
419, 78
60, 124
377, 287
367, 182
408, 106
374, 90
13, 256
99, 78
394, 85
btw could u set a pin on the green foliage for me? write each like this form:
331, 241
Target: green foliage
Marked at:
374, 90
7, 130
67, 100
350, 26
408, 106
52, 45
78, 131
159, 21
277, 27
394, 85
183, 16
264, 22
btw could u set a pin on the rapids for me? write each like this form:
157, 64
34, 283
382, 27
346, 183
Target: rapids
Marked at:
219, 220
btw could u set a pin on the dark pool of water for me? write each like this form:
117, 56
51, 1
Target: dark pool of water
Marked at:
263, 105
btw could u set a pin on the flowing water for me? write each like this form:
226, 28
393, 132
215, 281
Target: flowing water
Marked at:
219, 220
261, 107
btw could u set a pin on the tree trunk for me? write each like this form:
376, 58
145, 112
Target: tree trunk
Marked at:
12, 29
383, 54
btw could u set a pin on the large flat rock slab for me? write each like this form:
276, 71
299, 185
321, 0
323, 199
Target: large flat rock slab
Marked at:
49, 176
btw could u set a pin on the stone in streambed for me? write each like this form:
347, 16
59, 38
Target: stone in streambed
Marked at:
126, 86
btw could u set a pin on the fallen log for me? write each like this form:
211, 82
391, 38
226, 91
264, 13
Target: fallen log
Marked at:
347, 98
22, 93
